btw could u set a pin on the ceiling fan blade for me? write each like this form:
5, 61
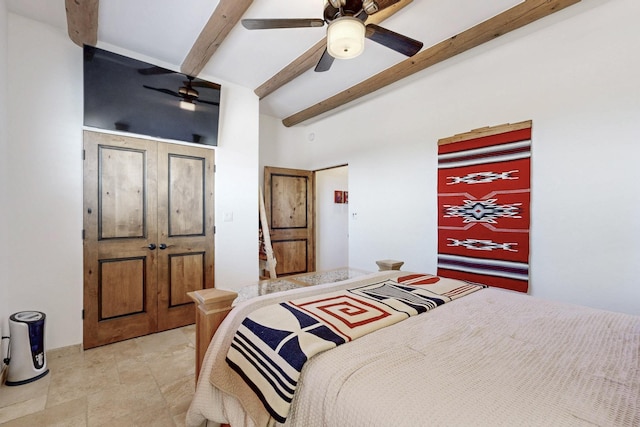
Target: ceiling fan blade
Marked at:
325, 62
266, 24
167, 91
204, 84
154, 70
207, 102
402, 44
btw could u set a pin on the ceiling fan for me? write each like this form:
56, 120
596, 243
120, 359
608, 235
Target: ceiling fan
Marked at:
188, 95
346, 30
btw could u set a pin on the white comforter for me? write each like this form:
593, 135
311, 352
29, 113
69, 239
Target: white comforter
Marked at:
493, 358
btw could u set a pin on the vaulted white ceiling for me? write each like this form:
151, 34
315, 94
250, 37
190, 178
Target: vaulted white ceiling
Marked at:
166, 30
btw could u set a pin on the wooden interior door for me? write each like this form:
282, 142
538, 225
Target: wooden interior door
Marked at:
120, 231
185, 227
148, 235
289, 204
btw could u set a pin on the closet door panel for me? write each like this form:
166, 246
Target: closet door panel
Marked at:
120, 232
185, 224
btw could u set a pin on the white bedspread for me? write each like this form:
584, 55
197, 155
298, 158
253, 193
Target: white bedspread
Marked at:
493, 358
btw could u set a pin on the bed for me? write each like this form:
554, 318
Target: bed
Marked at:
492, 357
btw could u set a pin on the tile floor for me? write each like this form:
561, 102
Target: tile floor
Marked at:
146, 381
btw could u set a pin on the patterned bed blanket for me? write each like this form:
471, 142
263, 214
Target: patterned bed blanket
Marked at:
274, 342
494, 357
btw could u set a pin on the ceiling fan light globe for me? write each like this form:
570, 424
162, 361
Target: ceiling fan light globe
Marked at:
187, 105
345, 38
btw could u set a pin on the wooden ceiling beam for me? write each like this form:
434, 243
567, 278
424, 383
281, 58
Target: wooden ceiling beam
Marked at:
82, 21
310, 58
518, 16
295, 69
222, 20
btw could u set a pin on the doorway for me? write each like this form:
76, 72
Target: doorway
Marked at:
332, 218
307, 216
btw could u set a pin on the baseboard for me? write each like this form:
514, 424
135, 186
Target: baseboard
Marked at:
3, 373
3, 367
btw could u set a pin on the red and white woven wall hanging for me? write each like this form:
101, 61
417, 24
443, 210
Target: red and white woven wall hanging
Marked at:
484, 206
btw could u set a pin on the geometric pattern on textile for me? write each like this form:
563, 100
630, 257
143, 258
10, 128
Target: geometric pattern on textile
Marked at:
272, 344
447, 287
484, 209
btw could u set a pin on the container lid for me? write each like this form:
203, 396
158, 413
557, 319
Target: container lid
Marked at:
28, 316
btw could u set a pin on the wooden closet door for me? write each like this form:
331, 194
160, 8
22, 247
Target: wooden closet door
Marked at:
120, 234
185, 230
148, 238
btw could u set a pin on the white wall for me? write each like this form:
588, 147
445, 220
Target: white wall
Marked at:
44, 167
236, 260
45, 175
575, 74
4, 310
332, 219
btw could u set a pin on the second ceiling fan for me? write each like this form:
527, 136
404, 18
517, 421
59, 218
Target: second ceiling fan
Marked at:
346, 29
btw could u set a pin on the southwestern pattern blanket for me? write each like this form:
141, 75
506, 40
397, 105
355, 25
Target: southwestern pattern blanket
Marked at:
483, 204
273, 343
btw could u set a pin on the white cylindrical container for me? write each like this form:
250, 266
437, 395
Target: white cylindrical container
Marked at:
28, 359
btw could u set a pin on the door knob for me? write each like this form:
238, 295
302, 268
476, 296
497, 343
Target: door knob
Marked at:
163, 246
152, 246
